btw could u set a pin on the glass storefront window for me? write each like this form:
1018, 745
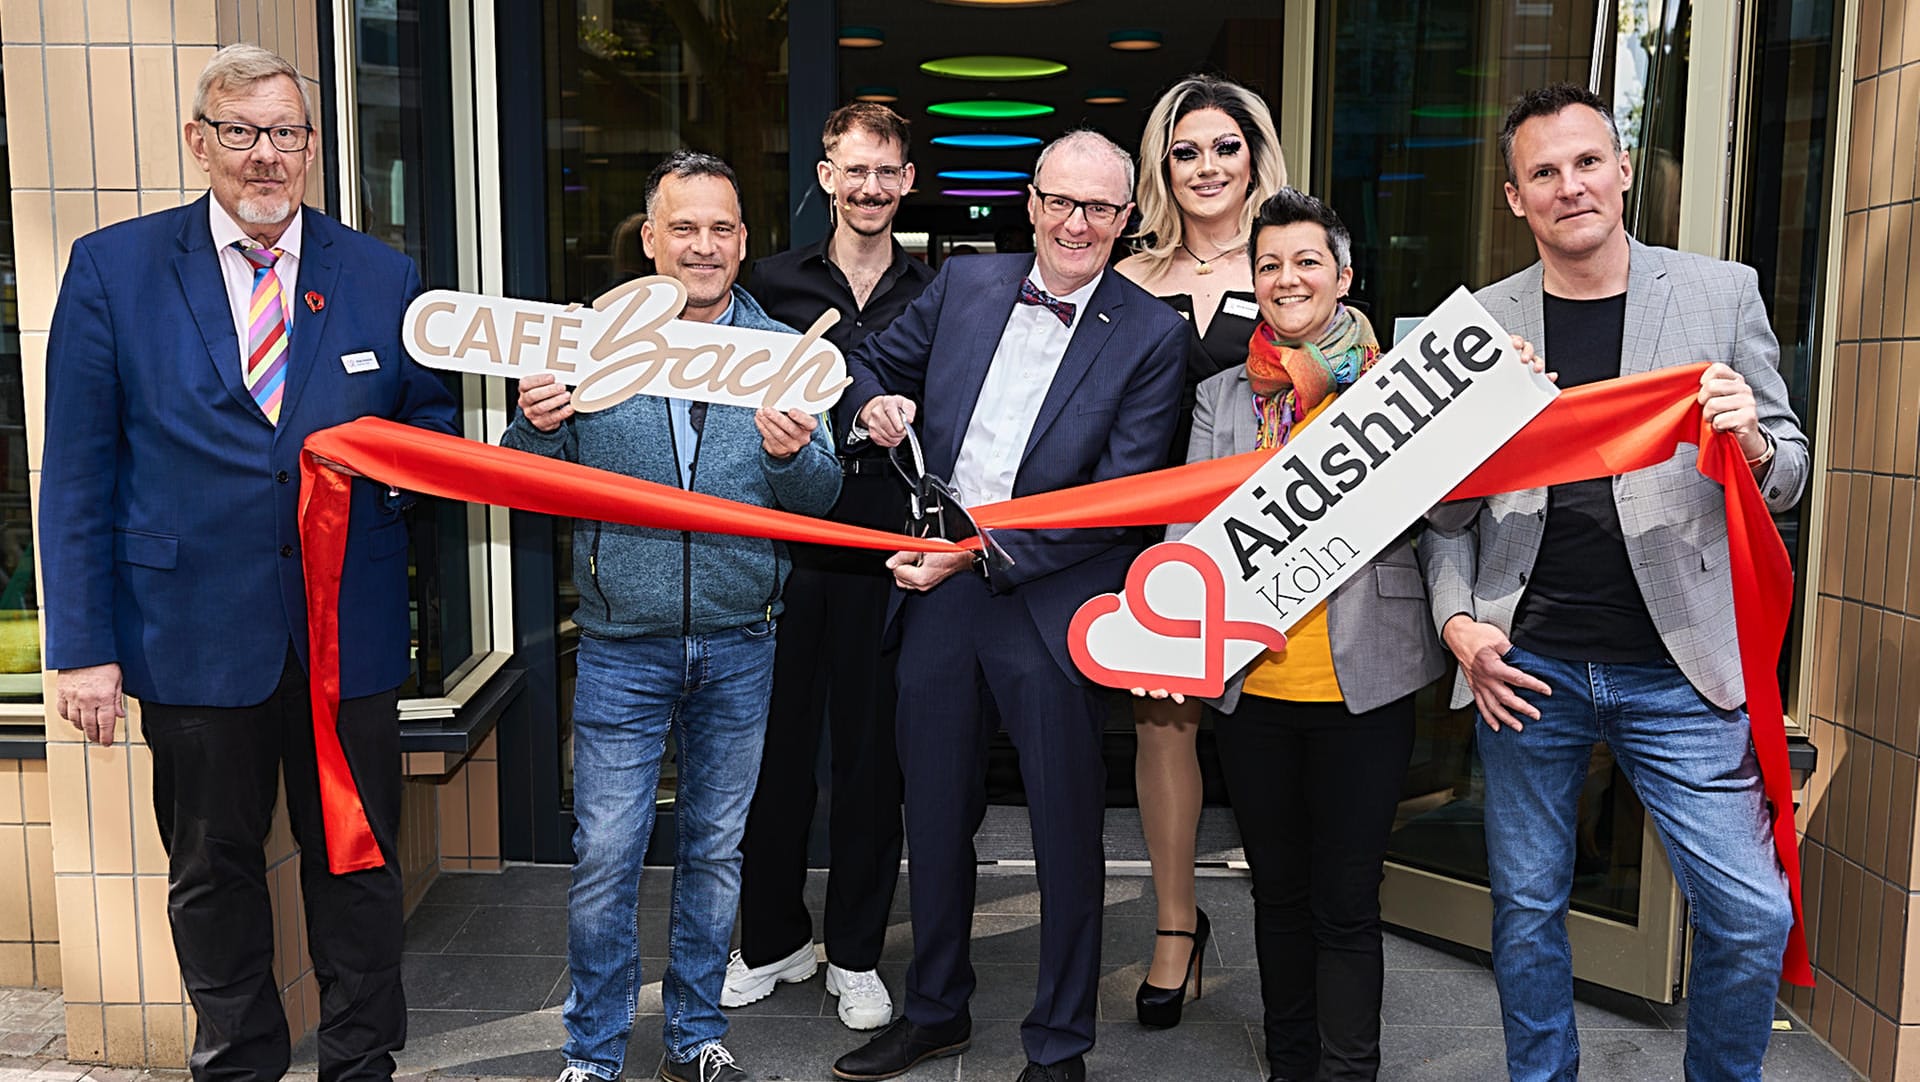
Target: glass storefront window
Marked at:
404, 125
19, 600
629, 82
1783, 235
1415, 95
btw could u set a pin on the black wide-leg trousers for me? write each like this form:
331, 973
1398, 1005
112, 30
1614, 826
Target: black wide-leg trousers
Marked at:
827, 666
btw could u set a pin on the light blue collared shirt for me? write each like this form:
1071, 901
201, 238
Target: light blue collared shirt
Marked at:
686, 439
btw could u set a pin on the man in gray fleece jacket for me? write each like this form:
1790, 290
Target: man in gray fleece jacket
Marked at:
677, 636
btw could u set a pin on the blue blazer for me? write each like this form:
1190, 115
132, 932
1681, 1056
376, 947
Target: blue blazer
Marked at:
1109, 412
168, 532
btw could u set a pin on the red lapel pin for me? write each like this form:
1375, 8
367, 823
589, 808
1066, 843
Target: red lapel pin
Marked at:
315, 301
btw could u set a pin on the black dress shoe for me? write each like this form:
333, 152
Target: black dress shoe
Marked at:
901, 1046
1067, 1070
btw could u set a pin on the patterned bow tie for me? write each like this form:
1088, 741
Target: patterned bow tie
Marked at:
1033, 294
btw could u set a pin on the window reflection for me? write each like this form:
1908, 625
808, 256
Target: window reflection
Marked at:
19, 601
405, 129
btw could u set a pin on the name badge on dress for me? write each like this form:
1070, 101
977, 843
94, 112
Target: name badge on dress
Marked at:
1242, 307
359, 362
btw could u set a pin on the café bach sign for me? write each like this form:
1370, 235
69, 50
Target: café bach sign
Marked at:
627, 342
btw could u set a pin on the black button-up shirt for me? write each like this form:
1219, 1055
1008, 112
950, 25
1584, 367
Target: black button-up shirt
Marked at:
796, 286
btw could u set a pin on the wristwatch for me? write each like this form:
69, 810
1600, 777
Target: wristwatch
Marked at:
1766, 456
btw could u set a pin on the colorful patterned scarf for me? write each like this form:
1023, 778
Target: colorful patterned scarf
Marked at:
1291, 378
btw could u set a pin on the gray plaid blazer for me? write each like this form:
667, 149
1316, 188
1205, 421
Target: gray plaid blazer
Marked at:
1681, 309
1383, 645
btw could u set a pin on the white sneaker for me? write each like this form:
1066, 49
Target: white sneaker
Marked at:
751, 984
864, 1002
577, 1074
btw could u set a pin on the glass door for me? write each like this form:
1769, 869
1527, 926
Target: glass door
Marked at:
1409, 101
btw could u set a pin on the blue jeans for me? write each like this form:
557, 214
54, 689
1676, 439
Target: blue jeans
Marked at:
1693, 767
711, 692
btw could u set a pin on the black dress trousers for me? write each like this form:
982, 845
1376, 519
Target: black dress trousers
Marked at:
828, 666
216, 772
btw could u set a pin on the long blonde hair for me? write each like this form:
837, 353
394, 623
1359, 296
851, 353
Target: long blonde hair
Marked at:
1160, 228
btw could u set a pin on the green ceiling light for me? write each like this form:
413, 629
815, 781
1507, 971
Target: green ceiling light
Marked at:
1106, 95
990, 109
862, 37
885, 95
1133, 41
994, 67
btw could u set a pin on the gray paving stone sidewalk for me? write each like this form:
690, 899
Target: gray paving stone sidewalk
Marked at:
486, 974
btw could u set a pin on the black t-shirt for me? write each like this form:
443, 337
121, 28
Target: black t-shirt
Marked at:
795, 287
1581, 601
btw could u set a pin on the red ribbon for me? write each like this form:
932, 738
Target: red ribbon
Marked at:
1598, 430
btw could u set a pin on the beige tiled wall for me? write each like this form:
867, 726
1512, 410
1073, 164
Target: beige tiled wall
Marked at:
29, 926
97, 92
470, 813
1860, 848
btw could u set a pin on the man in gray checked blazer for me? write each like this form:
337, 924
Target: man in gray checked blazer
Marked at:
1603, 610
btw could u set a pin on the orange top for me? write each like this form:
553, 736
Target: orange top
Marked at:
1303, 672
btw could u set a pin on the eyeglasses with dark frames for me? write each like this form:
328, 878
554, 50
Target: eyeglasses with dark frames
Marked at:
1060, 206
889, 176
240, 135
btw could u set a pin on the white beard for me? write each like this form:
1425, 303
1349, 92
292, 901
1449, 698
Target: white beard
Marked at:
264, 211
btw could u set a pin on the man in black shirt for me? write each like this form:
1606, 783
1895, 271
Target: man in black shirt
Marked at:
828, 661
1603, 610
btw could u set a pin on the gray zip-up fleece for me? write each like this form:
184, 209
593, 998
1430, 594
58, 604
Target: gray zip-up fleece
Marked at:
635, 581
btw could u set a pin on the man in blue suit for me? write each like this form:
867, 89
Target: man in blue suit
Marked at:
192, 352
1026, 375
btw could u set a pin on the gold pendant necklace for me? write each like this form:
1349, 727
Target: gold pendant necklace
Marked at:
1204, 266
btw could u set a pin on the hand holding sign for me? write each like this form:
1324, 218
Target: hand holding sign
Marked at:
628, 342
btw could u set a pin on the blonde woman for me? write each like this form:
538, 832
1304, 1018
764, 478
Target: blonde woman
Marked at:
1208, 158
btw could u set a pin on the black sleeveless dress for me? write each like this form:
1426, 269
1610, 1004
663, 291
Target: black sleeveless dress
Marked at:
1223, 347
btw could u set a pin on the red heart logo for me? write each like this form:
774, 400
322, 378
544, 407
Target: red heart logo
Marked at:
1213, 628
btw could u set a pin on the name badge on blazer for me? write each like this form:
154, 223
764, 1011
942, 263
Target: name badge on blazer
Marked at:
1240, 306
359, 362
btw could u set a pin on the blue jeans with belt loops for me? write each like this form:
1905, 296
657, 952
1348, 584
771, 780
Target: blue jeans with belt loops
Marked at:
1693, 767
711, 693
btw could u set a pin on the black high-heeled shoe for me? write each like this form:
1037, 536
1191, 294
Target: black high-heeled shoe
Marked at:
1159, 1008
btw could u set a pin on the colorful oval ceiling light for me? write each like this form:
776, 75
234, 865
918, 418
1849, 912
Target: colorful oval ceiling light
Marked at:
882, 94
989, 109
983, 175
1133, 41
986, 141
982, 193
862, 37
1106, 95
994, 67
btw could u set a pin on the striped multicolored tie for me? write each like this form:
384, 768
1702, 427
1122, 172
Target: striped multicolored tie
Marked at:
266, 373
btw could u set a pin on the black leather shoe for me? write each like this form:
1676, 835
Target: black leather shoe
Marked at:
1067, 1070
903, 1045
1159, 1008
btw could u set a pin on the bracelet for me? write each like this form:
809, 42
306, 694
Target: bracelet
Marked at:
1766, 456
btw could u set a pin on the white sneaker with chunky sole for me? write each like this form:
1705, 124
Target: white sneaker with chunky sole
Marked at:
751, 984
864, 1002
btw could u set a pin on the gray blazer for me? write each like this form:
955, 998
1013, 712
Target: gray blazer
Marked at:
1383, 644
1681, 309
